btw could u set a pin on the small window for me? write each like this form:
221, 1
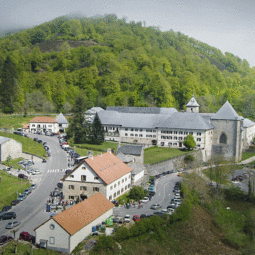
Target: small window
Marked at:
223, 138
111, 188
162, 143
136, 129
96, 178
83, 168
122, 180
122, 190
198, 134
136, 134
52, 240
131, 134
180, 132
141, 130
83, 178
95, 189
128, 185
83, 188
125, 179
132, 129
126, 134
125, 187
140, 135
129, 176
118, 192
33, 125
118, 183
72, 176
199, 139
114, 195
71, 186
191, 133
115, 185
110, 197
71, 197
175, 132
126, 129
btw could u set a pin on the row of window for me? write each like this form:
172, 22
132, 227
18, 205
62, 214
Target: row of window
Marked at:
176, 138
180, 132
115, 185
84, 177
83, 188
141, 130
119, 191
41, 126
175, 144
141, 135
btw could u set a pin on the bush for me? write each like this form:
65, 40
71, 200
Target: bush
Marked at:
137, 193
105, 243
122, 234
234, 194
189, 158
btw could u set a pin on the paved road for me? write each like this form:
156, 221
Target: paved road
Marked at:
30, 211
164, 194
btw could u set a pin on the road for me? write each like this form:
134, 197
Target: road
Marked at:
164, 194
30, 212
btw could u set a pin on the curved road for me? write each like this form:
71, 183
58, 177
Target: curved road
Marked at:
30, 212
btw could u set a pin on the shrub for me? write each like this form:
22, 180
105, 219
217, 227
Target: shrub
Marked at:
189, 158
105, 243
136, 193
234, 194
122, 234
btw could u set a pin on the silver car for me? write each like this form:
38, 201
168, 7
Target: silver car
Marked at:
12, 224
155, 206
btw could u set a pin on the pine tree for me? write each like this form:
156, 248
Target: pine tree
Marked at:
97, 131
8, 85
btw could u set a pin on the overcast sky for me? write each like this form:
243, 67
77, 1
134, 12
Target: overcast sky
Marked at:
228, 25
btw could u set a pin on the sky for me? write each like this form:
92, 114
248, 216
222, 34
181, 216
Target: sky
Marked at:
228, 25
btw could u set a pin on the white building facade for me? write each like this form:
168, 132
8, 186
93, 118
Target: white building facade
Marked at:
43, 124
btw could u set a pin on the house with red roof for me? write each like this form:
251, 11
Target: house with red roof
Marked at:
103, 173
42, 124
67, 229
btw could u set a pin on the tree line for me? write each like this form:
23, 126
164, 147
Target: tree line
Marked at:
113, 62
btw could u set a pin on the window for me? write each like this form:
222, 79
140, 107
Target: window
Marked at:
52, 240
140, 135
162, 143
122, 180
118, 192
132, 129
148, 130
154, 130
33, 125
128, 185
136, 129
154, 136
136, 134
199, 139
126, 134
114, 195
71, 197
111, 188
175, 132
223, 138
115, 185
129, 176
125, 179
148, 135
191, 133
175, 138
83, 168
95, 189
131, 134
198, 134
71, 186
180, 132
96, 178
83, 188
125, 187
169, 144
110, 197
122, 190
72, 176
49, 125
83, 178
118, 183
141, 130
186, 133
126, 129
180, 138
52, 226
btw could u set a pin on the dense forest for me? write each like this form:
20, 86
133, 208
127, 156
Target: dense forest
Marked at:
113, 62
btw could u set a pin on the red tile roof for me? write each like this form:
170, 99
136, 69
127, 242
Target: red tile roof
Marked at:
25, 126
39, 119
108, 167
80, 215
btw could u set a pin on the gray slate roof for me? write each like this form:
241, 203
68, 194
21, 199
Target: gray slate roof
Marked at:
3, 139
124, 158
129, 149
143, 110
135, 120
187, 120
61, 119
226, 112
137, 167
93, 110
192, 102
248, 123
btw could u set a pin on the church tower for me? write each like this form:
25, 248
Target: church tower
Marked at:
192, 105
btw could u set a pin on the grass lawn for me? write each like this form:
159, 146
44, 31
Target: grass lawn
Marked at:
24, 248
28, 145
14, 163
247, 155
156, 154
82, 149
9, 186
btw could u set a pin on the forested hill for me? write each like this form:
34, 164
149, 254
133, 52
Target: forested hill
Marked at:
112, 62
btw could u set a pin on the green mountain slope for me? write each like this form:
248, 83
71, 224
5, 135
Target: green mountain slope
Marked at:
113, 62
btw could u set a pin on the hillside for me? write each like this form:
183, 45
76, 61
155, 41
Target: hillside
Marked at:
112, 62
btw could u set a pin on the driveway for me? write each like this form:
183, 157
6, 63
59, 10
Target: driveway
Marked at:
31, 211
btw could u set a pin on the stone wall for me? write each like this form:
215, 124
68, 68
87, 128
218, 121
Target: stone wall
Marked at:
10, 148
172, 164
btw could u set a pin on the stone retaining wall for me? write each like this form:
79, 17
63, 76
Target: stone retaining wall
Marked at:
172, 164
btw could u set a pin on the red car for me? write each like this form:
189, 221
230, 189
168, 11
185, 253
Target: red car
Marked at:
136, 218
4, 239
27, 237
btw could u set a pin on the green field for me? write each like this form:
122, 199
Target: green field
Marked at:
13, 162
9, 187
246, 155
82, 149
157, 154
28, 145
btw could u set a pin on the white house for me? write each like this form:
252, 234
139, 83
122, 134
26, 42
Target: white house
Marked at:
62, 122
248, 132
43, 124
9, 147
103, 173
66, 230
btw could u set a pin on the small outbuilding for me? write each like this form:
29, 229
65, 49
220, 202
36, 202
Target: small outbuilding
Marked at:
132, 153
66, 230
9, 147
62, 122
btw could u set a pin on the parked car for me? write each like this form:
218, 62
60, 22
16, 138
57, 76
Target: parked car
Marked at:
152, 193
22, 176
168, 172
145, 200
35, 139
155, 206
7, 215
121, 220
127, 218
15, 202
22, 197
136, 218
159, 214
6, 208
36, 171
151, 188
39, 141
12, 224
143, 216
27, 237
5, 239
116, 220
33, 186
44, 160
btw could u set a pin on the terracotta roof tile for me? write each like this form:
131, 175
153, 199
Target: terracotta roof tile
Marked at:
108, 167
39, 119
80, 215
26, 126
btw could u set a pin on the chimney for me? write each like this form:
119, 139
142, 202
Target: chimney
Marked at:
109, 150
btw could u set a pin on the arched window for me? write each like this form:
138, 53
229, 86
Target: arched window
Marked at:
223, 138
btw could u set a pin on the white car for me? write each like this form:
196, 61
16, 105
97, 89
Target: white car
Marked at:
177, 197
164, 210
34, 172
145, 200
127, 218
155, 206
